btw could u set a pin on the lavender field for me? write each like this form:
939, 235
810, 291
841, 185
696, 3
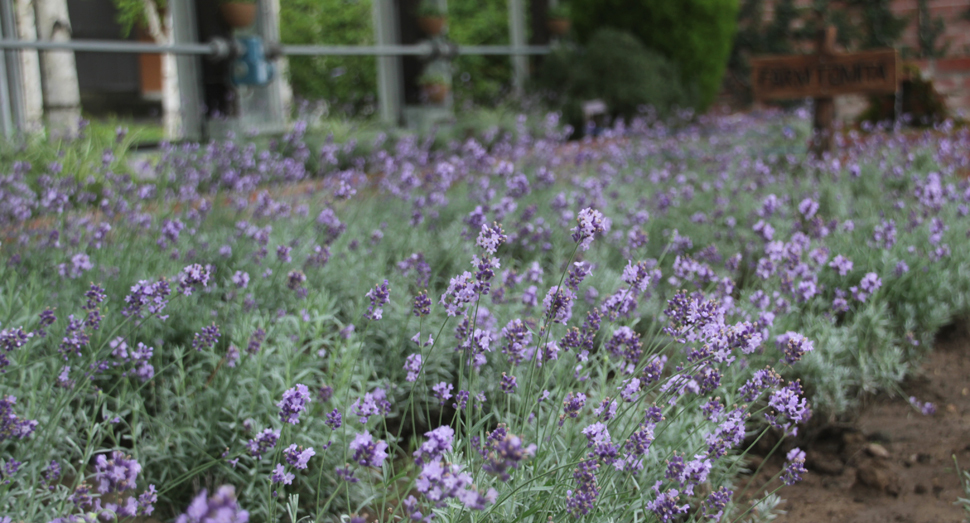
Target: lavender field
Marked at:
506, 327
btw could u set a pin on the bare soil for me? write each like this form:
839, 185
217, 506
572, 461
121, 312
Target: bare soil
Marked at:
891, 463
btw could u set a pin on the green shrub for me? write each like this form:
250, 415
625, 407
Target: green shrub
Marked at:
695, 34
349, 83
616, 68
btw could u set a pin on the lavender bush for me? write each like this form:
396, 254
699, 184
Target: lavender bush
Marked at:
505, 328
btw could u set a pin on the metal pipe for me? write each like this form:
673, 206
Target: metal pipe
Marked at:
358, 50
218, 48
108, 46
503, 49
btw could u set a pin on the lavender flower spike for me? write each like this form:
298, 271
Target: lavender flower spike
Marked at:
588, 223
221, 507
293, 403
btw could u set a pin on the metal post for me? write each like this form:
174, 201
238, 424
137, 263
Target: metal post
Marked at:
280, 93
520, 64
389, 79
189, 69
12, 67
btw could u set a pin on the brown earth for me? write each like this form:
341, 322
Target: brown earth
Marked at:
891, 463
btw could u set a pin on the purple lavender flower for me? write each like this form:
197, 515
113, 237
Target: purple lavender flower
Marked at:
47, 319
665, 504
280, 475
334, 419
241, 279
606, 409
95, 295
378, 298
221, 507
581, 501
255, 341
263, 442
764, 230
51, 474
505, 454
588, 223
422, 304
295, 280
10, 340
413, 365
558, 304
461, 400
794, 467
508, 384
283, 253
367, 453
115, 474
517, 339
232, 356
761, 380
808, 207
794, 346
442, 391
629, 390
841, 264
207, 338
192, 276
298, 457
901, 268
373, 403
728, 434
713, 506
439, 442
490, 238
927, 408
571, 406
788, 404
293, 403
74, 338
145, 295
346, 474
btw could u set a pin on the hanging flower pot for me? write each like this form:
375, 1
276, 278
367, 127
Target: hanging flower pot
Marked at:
432, 25
558, 21
437, 93
238, 14
432, 17
435, 86
558, 26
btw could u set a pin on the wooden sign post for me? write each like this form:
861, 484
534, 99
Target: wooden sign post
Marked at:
822, 76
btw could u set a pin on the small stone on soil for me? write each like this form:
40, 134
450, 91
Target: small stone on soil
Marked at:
877, 450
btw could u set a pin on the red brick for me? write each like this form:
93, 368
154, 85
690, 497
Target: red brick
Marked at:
946, 65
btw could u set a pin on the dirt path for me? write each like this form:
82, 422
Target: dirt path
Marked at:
894, 464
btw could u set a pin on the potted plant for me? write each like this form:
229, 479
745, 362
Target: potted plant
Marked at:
239, 14
432, 17
558, 20
435, 86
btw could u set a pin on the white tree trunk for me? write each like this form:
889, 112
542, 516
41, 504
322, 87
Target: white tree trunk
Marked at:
33, 99
62, 97
162, 33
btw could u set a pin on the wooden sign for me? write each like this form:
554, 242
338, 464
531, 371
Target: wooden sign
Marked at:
818, 75
822, 76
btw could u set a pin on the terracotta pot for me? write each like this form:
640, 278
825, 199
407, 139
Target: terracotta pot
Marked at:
558, 26
436, 93
432, 25
239, 15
